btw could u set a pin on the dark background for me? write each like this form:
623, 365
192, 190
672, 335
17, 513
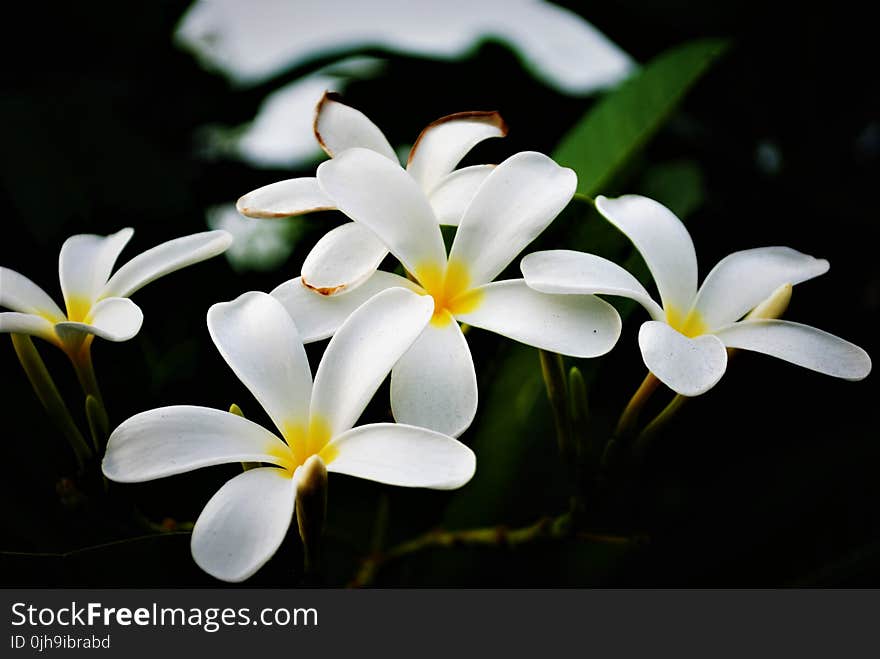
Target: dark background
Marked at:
770, 479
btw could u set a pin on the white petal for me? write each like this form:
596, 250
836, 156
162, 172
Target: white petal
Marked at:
576, 325
244, 524
339, 127
342, 259
19, 293
362, 352
260, 342
173, 440
113, 318
434, 385
164, 259
664, 243
742, 280
566, 271
799, 344
442, 145
403, 455
295, 196
454, 193
85, 264
12, 322
515, 203
318, 316
380, 195
689, 367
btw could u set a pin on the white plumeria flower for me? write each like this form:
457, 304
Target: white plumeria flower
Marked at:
97, 303
434, 385
685, 345
346, 256
246, 521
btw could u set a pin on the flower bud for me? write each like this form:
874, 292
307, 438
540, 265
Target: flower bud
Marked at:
774, 306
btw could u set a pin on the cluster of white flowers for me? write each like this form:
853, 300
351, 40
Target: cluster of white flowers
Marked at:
408, 326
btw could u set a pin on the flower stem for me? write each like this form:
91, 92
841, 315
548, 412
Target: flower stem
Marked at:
553, 370
47, 392
99, 423
546, 528
630, 414
658, 423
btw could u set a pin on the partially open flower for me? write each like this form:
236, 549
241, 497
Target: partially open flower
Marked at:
434, 385
97, 303
347, 255
246, 521
685, 343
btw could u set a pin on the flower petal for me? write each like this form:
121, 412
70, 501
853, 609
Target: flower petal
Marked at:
742, 280
244, 524
799, 344
689, 367
567, 271
318, 316
380, 195
454, 192
514, 204
407, 456
164, 259
664, 243
576, 325
12, 322
85, 264
113, 318
362, 352
295, 196
259, 341
443, 143
339, 127
342, 259
434, 385
19, 293
173, 440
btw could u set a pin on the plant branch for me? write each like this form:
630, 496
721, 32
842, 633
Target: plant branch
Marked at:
545, 529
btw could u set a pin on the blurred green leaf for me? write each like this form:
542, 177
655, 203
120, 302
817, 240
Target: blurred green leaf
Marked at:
678, 185
513, 434
601, 143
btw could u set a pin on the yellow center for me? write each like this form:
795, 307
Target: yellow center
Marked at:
690, 325
78, 309
450, 288
302, 443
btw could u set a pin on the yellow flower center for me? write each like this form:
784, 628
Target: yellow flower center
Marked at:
78, 309
690, 325
302, 443
450, 288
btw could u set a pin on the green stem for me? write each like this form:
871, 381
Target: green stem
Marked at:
553, 370
657, 424
96, 412
631, 412
546, 528
47, 392
627, 421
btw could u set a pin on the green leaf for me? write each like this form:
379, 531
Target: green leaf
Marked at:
602, 143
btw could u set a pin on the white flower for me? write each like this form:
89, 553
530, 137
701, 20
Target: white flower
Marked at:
96, 302
246, 521
250, 45
434, 385
346, 256
685, 345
